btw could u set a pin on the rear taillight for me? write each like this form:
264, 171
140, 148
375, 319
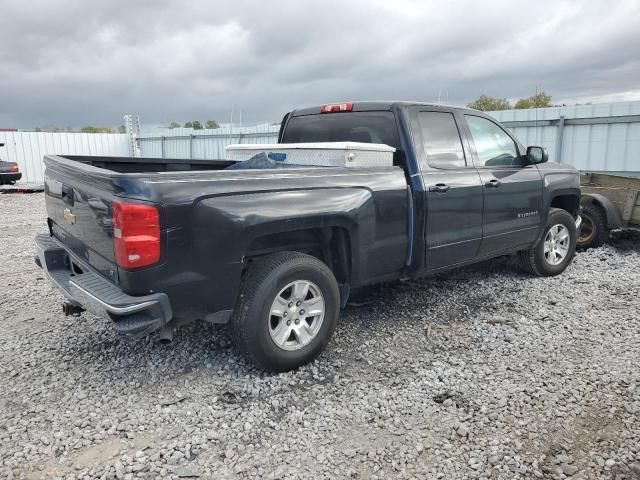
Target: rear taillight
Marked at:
336, 107
14, 168
136, 234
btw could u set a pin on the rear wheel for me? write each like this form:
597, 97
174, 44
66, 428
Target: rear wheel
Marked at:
287, 311
555, 250
594, 232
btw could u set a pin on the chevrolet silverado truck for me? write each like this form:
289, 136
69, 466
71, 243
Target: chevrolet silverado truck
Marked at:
154, 243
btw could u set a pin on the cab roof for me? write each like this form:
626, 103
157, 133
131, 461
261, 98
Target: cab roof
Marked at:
378, 105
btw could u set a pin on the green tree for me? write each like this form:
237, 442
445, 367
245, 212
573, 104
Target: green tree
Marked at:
539, 100
485, 103
91, 129
197, 125
212, 124
188, 125
122, 129
174, 125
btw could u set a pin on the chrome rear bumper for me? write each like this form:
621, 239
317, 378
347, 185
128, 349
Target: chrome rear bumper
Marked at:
133, 315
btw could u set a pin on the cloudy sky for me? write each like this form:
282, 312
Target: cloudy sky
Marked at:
74, 62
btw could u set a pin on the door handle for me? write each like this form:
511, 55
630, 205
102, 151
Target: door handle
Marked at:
439, 187
493, 183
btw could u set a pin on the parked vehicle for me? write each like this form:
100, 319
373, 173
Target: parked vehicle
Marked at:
608, 202
152, 243
9, 172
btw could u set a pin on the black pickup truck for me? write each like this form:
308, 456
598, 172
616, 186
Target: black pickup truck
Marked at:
154, 243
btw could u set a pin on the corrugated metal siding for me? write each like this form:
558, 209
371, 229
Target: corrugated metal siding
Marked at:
201, 144
29, 148
612, 147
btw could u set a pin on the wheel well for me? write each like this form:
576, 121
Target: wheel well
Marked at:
570, 203
331, 245
588, 199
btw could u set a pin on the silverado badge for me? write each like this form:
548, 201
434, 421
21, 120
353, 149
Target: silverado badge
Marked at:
69, 217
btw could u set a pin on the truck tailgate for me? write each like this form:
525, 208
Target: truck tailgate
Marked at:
79, 211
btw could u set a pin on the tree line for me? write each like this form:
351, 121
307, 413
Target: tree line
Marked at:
92, 129
486, 103
196, 125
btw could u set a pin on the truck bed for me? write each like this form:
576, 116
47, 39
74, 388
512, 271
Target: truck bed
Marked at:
211, 219
144, 165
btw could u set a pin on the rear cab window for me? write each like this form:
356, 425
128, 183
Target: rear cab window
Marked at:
441, 140
363, 127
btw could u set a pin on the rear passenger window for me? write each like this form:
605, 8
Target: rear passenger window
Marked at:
441, 140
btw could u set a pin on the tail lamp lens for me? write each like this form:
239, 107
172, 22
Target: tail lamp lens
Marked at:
14, 168
136, 234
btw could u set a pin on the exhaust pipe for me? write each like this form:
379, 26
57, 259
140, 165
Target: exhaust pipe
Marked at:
71, 309
166, 334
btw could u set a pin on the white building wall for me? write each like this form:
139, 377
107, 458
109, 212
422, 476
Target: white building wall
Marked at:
27, 149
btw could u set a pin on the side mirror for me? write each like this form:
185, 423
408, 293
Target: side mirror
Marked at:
537, 155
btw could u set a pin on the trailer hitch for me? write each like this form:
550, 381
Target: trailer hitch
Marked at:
71, 309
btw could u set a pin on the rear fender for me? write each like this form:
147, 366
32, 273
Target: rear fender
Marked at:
245, 218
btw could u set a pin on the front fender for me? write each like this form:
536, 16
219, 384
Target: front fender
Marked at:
557, 183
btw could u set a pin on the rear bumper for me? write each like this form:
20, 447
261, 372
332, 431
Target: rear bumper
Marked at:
10, 177
85, 287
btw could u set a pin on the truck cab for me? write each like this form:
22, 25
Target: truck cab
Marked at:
476, 191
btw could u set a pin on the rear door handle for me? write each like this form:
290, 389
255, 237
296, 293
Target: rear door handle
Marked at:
439, 187
493, 183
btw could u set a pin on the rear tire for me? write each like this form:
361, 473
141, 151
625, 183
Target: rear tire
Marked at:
594, 232
555, 249
272, 294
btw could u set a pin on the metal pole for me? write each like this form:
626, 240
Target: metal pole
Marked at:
559, 138
162, 147
191, 137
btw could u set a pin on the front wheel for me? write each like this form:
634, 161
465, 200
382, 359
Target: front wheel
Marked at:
287, 311
555, 250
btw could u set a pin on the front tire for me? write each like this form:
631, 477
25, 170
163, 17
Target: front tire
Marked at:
286, 312
555, 249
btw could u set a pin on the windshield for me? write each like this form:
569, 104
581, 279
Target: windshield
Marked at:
364, 127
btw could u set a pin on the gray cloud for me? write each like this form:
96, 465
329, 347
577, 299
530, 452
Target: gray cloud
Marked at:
75, 63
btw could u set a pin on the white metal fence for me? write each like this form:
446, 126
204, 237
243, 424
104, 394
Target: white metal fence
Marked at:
201, 144
28, 148
600, 137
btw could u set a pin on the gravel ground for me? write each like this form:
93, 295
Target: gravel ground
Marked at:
480, 373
